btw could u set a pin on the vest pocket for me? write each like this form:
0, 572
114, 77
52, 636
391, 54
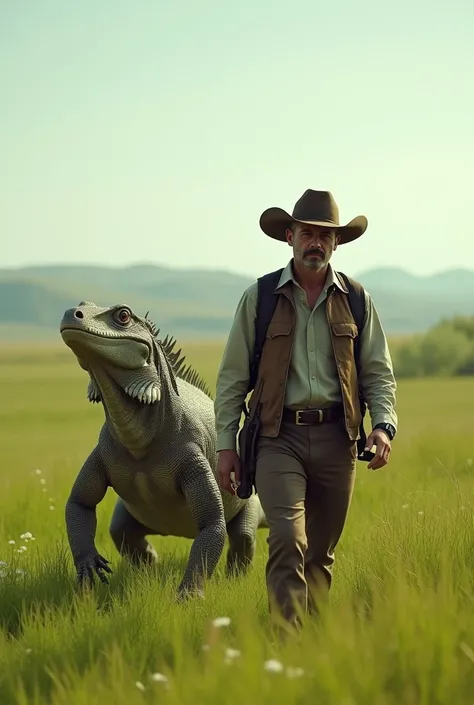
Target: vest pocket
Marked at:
344, 335
277, 328
344, 329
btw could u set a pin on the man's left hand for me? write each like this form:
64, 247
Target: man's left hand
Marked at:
380, 439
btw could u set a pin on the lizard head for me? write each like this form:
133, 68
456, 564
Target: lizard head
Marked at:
117, 348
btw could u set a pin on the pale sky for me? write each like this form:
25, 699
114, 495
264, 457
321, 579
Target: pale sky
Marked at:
145, 131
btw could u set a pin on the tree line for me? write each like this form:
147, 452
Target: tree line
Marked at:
445, 350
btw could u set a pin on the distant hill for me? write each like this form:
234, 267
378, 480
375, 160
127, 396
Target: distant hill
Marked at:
196, 303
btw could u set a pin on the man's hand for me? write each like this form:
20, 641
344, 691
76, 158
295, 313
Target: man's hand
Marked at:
379, 438
228, 462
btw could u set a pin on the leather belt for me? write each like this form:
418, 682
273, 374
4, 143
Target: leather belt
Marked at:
313, 417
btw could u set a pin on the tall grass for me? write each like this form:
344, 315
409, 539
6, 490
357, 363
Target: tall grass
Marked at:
399, 627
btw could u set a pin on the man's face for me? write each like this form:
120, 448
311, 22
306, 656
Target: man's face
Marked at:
312, 245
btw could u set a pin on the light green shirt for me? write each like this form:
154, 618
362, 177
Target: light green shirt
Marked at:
312, 378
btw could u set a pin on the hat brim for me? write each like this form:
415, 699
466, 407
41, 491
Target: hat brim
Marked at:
275, 221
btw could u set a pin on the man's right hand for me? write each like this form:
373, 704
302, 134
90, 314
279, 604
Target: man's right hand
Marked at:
228, 462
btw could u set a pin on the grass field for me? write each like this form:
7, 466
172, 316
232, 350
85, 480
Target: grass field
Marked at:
399, 627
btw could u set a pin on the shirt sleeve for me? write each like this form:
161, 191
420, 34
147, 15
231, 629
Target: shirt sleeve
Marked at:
233, 374
377, 379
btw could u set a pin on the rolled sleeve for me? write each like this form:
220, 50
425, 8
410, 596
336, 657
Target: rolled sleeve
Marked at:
376, 378
233, 375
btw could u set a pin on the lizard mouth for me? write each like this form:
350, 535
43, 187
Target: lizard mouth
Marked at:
69, 329
128, 352
115, 364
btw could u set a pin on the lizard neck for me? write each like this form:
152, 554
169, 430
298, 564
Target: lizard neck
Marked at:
131, 423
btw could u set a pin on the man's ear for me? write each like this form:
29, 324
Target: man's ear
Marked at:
289, 236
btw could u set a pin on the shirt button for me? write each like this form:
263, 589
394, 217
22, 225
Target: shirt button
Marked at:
313, 376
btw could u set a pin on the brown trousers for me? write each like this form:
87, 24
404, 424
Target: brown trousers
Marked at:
304, 479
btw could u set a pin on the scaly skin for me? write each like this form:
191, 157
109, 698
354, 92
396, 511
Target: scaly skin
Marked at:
156, 449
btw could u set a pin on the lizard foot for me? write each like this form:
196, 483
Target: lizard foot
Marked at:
186, 592
87, 567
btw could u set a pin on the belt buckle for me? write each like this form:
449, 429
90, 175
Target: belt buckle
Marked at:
301, 423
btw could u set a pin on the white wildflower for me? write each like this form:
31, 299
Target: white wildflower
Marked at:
231, 654
140, 685
221, 622
273, 666
11, 542
3, 563
158, 678
294, 672
420, 514
405, 506
38, 471
52, 508
28, 651
42, 481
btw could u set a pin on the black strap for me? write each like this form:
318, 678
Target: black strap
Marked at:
357, 304
266, 304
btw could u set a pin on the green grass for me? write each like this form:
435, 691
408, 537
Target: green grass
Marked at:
399, 627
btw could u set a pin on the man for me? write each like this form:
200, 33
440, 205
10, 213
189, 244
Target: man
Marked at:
305, 459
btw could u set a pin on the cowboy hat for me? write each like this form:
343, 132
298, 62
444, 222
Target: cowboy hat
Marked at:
313, 208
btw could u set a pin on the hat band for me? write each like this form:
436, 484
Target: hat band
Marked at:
316, 220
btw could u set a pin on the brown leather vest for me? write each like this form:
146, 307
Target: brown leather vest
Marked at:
276, 354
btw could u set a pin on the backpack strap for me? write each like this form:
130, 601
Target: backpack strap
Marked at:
266, 304
357, 305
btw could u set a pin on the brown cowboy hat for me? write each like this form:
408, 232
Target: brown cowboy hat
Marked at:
313, 208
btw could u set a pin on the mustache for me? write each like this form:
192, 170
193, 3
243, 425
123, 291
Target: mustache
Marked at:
314, 251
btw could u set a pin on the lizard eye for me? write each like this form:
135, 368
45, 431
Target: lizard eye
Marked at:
123, 316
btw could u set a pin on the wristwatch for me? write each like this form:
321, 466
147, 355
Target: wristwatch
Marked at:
388, 428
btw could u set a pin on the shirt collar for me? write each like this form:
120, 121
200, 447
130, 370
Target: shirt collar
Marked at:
332, 278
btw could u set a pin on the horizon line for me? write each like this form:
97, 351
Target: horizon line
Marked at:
178, 268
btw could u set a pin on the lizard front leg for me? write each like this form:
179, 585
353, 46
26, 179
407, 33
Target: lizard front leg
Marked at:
87, 491
205, 504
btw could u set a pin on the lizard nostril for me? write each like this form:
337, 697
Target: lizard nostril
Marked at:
78, 314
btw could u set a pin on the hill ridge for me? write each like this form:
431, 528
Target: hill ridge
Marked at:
199, 302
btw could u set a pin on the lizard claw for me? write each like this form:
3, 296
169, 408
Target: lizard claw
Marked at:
89, 566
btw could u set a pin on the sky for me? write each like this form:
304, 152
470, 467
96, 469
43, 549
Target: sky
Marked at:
143, 131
